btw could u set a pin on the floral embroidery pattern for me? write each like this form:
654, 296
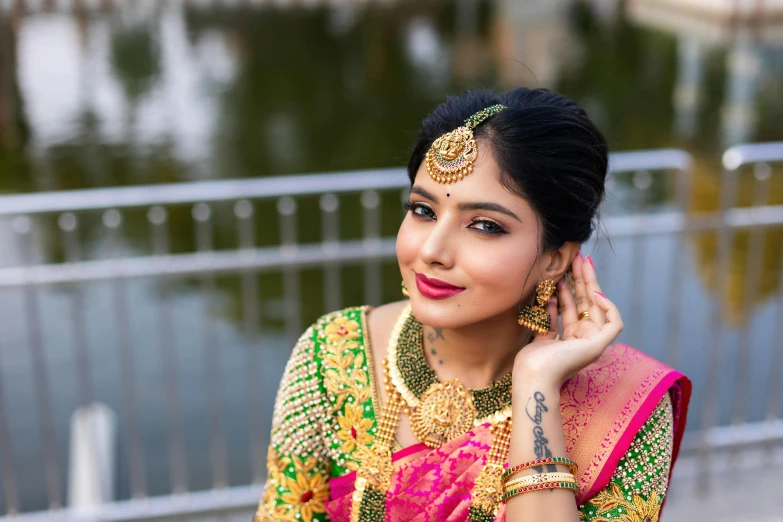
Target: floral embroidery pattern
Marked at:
353, 428
637, 509
301, 496
306, 493
347, 382
342, 330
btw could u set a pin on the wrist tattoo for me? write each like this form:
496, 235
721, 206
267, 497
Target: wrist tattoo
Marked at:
540, 442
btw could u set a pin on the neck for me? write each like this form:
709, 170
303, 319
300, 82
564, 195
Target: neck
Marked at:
477, 354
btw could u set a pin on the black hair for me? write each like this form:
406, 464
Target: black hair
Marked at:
548, 150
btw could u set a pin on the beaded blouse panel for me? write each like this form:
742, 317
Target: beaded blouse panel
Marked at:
325, 413
639, 483
298, 463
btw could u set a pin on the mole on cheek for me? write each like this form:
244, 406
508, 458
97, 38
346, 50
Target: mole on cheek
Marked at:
447, 194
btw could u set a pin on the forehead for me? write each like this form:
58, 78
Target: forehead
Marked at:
483, 184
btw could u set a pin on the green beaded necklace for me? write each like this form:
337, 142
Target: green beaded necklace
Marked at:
413, 376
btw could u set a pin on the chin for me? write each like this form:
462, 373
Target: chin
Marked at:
440, 313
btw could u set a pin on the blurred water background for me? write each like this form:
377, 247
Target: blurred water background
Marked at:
110, 94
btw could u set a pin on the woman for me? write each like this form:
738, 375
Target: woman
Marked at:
404, 411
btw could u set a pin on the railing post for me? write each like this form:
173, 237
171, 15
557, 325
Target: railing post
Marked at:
93, 444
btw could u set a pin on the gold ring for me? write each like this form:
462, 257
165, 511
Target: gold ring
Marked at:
584, 315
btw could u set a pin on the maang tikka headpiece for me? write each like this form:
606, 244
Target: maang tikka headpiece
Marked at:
452, 155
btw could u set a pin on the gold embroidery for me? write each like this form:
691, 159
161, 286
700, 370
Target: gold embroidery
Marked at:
301, 496
353, 428
307, 492
637, 509
342, 331
348, 385
275, 466
346, 377
280, 513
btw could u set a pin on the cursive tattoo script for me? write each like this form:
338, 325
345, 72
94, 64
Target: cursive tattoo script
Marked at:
540, 442
540, 408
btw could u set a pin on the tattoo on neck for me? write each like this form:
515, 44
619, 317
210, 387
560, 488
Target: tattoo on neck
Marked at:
437, 334
432, 337
540, 443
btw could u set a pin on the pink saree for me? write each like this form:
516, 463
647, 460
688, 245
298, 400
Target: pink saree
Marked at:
603, 407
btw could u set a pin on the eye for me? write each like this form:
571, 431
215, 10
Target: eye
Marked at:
487, 227
420, 210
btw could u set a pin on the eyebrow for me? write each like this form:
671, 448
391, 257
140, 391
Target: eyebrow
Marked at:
468, 205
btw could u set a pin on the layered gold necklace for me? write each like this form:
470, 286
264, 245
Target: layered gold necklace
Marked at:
439, 412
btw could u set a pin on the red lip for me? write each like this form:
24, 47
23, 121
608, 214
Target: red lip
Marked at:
435, 288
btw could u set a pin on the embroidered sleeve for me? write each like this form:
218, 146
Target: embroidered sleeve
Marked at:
297, 463
638, 486
347, 368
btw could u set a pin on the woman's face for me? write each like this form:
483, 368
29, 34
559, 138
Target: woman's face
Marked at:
473, 234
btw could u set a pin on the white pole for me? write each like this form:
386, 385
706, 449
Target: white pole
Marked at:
92, 457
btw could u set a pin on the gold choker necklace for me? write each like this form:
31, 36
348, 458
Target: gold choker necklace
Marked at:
440, 411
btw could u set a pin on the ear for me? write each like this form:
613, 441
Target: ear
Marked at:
560, 259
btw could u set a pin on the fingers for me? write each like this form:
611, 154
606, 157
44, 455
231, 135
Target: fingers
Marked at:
568, 312
614, 323
583, 302
596, 313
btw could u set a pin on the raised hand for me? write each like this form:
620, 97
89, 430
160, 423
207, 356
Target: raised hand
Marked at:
553, 359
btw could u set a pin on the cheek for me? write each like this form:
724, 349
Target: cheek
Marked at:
407, 244
501, 267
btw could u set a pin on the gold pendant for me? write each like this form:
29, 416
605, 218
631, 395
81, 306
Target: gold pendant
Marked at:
488, 488
451, 156
376, 468
445, 411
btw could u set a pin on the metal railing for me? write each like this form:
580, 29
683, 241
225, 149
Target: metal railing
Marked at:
98, 246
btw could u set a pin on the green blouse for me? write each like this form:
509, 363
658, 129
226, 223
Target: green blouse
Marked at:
324, 417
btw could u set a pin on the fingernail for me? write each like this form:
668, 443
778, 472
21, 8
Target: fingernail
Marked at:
591, 262
599, 293
581, 256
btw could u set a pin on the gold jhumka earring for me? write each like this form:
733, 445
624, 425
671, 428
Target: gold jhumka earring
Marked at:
404, 289
535, 317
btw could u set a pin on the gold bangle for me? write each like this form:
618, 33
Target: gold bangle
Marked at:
540, 462
539, 478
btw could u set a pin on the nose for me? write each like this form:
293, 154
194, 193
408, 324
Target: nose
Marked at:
438, 244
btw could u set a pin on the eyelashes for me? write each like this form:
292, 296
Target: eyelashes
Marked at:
494, 228
422, 211
414, 207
